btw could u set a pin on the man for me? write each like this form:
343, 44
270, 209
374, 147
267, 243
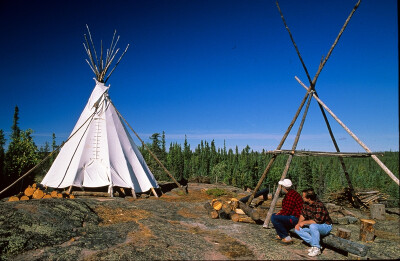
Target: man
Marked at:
288, 217
314, 222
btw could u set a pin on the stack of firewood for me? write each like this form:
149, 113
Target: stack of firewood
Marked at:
36, 192
366, 197
238, 211
372, 197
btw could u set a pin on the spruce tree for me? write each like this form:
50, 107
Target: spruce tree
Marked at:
2, 161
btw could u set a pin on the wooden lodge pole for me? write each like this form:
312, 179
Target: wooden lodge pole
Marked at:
289, 160
148, 149
271, 161
377, 160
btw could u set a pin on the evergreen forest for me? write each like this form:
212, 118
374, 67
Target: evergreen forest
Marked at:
206, 162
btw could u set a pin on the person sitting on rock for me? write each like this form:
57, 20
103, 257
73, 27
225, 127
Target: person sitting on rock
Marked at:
288, 217
314, 222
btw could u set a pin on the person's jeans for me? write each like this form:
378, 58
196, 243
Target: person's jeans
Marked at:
313, 233
283, 224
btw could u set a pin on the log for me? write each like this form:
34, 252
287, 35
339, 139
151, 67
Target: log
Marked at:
223, 215
34, 185
378, 211
47, 196
90, 194
54, 193
343, 233
342, 244
234, 202
212, 213
246, 219
235, 217
367, 230
239, 211
59, 195
249, 211
71, 196
13, 198
226, 207
24, 197
29, 191
38, 194
216, 204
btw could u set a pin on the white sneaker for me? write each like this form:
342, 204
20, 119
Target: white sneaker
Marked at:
315, 251
310, 249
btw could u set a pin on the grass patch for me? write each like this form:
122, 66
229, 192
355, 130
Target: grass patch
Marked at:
216, 192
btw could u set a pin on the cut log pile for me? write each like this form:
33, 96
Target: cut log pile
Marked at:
238, 211
35, 191
366, 197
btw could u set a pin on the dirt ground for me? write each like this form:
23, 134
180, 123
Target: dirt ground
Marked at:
174, 226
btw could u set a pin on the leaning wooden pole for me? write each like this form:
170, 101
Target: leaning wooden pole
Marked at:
354, 199
148, 149
271, 161
312, 86
321, 66
288, 162
377, 160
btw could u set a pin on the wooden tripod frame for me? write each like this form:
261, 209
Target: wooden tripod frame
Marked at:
311, 92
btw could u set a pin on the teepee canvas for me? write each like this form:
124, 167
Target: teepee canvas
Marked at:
100, 152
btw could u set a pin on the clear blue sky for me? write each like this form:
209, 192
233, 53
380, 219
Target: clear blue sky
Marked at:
221, 70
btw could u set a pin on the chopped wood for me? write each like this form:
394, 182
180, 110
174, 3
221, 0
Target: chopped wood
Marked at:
249, 211
59, 195
34, 185
212, 213
47, 196
216, 204
24, 198
367, 230
53, 194
71, 196
226, 207
38, 194
29, 191
13, 198
239, 211
235, 217
246, 219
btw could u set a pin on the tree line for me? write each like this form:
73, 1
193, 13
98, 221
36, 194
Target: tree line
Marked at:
207, 162
244, 168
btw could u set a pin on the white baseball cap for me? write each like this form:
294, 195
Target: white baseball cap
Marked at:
287, 183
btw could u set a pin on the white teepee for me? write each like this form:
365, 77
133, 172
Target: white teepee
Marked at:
100, 152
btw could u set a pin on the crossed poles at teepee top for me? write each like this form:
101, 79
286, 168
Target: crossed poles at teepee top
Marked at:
311, 92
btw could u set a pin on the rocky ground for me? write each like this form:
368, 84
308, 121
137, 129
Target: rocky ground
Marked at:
174, 226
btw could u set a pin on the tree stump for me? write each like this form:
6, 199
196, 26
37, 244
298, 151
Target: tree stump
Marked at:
377, 211
343, 233
367, 230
